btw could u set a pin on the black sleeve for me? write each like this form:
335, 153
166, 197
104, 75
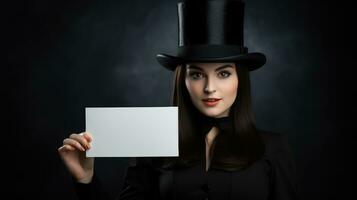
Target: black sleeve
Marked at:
140, 183
284, 176
90, 191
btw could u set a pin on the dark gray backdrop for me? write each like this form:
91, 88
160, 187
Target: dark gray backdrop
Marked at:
63, 56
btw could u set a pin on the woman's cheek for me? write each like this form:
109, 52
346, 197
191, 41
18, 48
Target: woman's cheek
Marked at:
195, 90
233, 93
195, 96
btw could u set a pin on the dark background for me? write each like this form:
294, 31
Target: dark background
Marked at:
63, 56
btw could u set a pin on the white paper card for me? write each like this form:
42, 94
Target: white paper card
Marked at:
133, 131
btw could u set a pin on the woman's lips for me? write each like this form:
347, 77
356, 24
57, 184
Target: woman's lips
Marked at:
211, 101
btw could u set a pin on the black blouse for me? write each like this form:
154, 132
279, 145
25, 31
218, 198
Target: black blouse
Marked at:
273, 177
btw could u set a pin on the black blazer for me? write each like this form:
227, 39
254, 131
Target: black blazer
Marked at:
271, 178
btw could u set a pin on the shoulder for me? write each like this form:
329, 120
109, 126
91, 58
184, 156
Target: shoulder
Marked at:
281, 162
275, 142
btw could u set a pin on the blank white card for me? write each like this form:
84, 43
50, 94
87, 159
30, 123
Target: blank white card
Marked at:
133, 131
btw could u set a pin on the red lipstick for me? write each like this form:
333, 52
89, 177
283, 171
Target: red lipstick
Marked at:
211, 101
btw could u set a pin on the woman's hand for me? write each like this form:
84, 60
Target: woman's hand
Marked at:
73, 155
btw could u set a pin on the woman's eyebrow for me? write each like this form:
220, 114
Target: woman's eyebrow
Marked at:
224, 66
219, 68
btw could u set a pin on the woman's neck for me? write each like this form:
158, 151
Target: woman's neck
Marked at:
210, 145
211, 135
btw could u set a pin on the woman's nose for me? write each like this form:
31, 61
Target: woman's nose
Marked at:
209, 87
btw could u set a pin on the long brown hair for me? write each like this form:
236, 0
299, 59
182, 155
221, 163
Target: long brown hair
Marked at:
232, 151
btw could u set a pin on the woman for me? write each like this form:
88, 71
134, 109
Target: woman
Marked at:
222, 153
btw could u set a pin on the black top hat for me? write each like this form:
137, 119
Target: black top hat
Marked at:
211, 31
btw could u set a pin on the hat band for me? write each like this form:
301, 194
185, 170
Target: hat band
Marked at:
210, 51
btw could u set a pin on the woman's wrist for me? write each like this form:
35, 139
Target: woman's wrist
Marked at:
86, 179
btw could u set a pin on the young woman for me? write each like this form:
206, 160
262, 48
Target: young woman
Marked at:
222, 153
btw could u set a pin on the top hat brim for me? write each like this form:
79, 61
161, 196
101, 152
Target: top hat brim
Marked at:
251, 60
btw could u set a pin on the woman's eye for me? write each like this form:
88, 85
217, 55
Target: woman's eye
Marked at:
195, 75
225, 73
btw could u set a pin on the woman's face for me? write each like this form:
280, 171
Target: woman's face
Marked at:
212, 87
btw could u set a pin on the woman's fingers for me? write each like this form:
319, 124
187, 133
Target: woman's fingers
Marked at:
73, 143
66, 147
87, 135
77, 141
81, 139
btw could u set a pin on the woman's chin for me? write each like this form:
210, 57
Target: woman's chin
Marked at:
213, 113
